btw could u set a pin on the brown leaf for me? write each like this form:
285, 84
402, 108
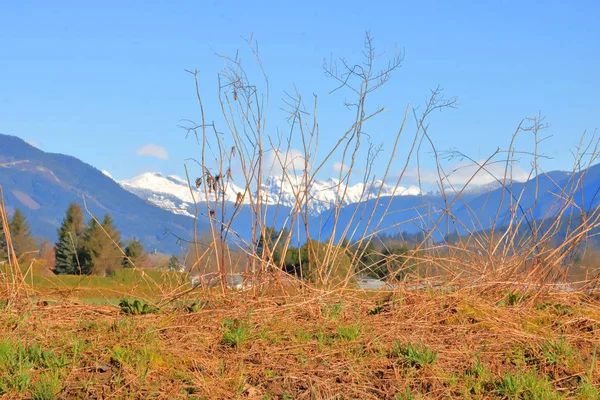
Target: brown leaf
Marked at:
252, 392
239, 199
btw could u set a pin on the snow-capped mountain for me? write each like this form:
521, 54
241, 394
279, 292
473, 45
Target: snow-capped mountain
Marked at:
173, 193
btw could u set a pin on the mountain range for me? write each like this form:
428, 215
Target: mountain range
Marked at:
156, 209
410, 211
175, 194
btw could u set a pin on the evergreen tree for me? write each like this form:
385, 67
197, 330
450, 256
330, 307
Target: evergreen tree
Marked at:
20, 233
69, 241
325, 263
390, 261
396, 263
270, 245
174, 264
319, 262
88, 245
3, 246
111, 256
133, 250
113, 232
371, 260
99, 254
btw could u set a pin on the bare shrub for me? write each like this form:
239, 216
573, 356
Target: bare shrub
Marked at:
518, 246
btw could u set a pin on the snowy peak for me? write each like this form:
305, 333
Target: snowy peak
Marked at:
174, 193
107, 174
168, 192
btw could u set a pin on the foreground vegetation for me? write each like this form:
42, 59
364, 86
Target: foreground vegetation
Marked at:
511, 311
402, 345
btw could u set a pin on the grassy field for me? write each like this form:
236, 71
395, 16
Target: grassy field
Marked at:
311, 345
125, 282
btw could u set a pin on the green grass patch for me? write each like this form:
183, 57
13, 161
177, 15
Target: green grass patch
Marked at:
235, 332
348, 332
21, 363
555, 308
527, 386
512, 299
414, 355
333, 310
136, 307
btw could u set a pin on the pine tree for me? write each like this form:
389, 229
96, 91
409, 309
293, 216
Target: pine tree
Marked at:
99, 254
270, 245
88, 246
3, 246
111, 255
69, 241
174, 264
20, 233
113, 232
133, 250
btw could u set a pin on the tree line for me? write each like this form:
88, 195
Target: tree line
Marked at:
81, 249
95, 248
388, 257
22, 241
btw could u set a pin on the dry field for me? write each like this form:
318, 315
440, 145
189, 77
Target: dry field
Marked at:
350, 345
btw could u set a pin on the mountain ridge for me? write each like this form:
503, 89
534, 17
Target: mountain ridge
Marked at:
43, 184
174, 193
478, 207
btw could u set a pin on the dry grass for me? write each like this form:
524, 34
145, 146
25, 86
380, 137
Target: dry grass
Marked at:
469, 332
347, 345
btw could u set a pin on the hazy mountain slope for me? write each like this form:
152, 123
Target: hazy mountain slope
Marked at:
544, 196
43, 184
409, 214
474, 210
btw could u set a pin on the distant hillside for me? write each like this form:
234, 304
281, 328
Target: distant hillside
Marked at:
477, 209
473, 211
43, 184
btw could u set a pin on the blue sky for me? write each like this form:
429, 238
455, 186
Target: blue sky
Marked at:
101, 81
